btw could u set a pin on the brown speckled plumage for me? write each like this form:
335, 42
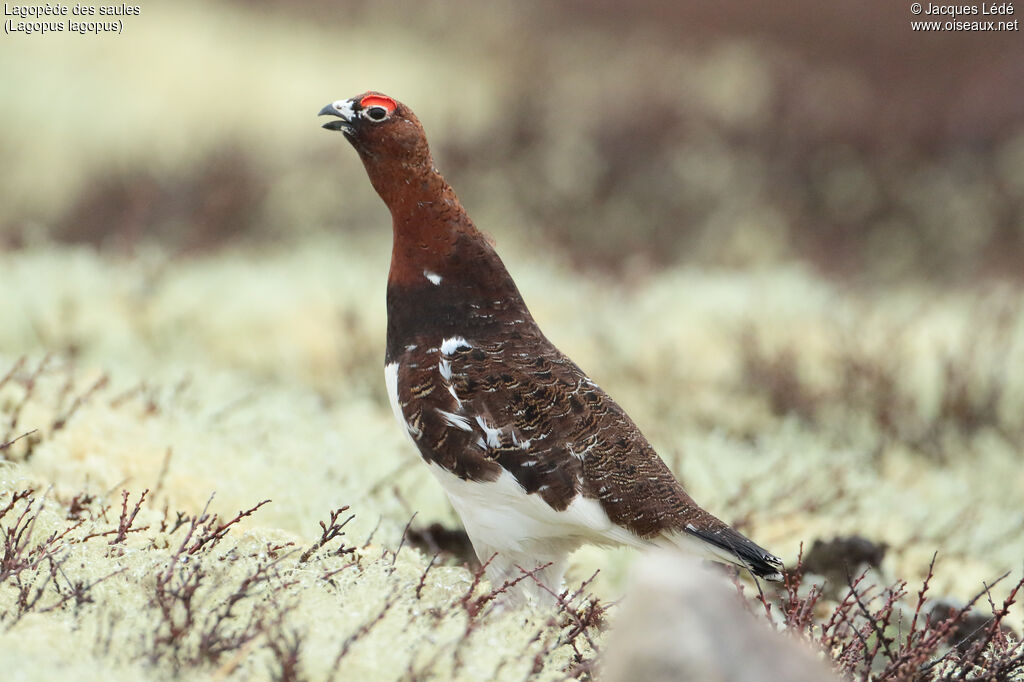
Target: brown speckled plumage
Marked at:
480, 389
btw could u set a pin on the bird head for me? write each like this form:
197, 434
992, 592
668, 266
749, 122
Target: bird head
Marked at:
381, 128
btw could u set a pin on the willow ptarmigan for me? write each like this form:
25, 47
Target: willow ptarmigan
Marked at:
534, 456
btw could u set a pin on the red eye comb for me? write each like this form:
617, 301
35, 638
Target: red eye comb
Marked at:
378, 101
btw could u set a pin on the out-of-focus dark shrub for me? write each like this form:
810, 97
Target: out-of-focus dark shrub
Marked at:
217, 202
655, 133
746, 133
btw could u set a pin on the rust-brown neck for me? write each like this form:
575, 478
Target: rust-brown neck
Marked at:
445, 277
427, 217
427, 220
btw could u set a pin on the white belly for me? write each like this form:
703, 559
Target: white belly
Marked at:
501, 516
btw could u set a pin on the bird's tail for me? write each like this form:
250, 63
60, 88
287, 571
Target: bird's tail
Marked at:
722, 543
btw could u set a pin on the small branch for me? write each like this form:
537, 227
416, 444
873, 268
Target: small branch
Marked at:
330, 530
212, 537
423, 576
4, 446
61, 421
401, 542
125, 523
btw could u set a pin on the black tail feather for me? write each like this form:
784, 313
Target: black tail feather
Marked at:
741, 551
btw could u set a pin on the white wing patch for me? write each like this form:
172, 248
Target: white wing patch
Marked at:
445, 366
452, 344
433, 277
391, 382
493, 435
456, 420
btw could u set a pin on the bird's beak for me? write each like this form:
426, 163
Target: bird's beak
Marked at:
343, 110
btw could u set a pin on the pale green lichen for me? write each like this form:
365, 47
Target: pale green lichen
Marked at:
252, 377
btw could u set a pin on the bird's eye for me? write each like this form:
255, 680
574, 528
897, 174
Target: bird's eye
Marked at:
377, 113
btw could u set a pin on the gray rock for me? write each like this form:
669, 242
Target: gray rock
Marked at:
680, 621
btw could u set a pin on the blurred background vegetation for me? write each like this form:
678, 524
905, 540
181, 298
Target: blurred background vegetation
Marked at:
628, 136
